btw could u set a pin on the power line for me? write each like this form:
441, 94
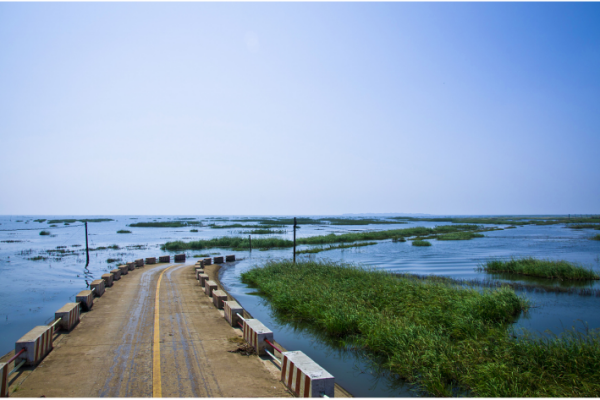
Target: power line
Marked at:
37, 229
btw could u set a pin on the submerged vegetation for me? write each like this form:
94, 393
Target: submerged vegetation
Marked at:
443, 338
333, 247
167, 224
227, 241
264, 232
549, 269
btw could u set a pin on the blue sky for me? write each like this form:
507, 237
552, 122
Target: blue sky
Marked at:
299, 108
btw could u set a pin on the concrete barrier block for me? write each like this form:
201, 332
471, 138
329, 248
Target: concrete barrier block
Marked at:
207, 261
203, 278
164, 259
116, 274
151, 260
139, 262
4, 380
255, 334
230, 258
179, 257
131, 266
108, 279
219, 297
124, 269
98, 285
199, 272
209, 286
232, 308
86, 299
37, 342
305, 377
69, 316
218, 260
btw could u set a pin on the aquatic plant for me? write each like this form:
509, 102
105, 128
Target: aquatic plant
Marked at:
123, 231
550, 269
201, 255
597, 237
264, 231
333, 247
443, 338
584, 226
421, 243
459, 236
387, 234
193, 230
38, 258
113, 260
398, 239
227, 241
166, 224
71, 220
44, 233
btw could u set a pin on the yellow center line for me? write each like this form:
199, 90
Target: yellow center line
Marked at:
156, 382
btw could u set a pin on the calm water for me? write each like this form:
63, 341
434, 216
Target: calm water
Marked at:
33, 290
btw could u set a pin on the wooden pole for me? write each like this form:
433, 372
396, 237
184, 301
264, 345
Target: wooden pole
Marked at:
87, 250
250, 240
294, 240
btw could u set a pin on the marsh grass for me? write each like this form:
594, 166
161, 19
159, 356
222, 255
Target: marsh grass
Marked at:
421, 243
231, 226
398, 239
123, 231
201, 255
333, 247
460, 236
584, 226
38, 258
441, 337
549, 269
597, 237
228, 242
264, 232
167, 224
44, 233
387, 234
193, 230
70, 220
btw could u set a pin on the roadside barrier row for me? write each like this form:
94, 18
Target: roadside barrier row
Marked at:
31, 349
299, 373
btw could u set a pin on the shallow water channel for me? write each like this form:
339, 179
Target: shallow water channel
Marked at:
33, 289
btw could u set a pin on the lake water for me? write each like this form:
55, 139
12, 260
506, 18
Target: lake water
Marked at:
31, 291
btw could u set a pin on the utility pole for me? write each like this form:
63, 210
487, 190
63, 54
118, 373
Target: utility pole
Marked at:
250, 240
294, 240
87, 250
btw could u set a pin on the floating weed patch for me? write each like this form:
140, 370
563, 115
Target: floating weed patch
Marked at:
193, 230
113, 260
421, 243
584, 226
123, 231
443, 338
44, 233
597, 237
549, 269
201, 255
264, 232
38, 258
332, 247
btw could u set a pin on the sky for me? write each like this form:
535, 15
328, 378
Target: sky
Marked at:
299, 108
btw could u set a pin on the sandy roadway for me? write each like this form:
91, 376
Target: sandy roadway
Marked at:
110, 352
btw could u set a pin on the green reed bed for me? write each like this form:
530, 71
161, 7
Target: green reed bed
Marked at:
597, 237
231, 226
229, 242
444, 338
264, 232
387, 234
460, 236
584, 226
70, 220
44, 233
166, 224
333, 247
123, 231
549, 269
419, 242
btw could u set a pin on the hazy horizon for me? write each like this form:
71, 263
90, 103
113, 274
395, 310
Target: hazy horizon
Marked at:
313, 108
